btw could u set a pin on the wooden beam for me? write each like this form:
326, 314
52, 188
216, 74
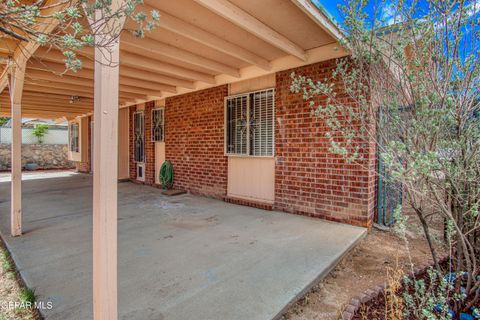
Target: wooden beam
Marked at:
51, 64
145, 63
58, 69
60, 88
105, 162
26, 109
73, 89
152, 47
52, 107
87, 76
150, 86
134, 87
55, 105
132, 60
323, 53
15, 84
251, 24
47, 96
192, 32
53, 55
134, 73
24, 50
4, 78
41, 115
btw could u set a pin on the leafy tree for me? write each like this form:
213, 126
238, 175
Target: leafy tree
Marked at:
413, 78
3, 120
27, 22
39, 131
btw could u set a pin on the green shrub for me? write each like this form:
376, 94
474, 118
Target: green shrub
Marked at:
40, 131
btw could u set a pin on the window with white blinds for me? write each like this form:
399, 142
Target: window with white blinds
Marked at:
139, 136
158, 126
249, 126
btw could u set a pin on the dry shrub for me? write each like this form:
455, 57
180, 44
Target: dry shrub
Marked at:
393, 299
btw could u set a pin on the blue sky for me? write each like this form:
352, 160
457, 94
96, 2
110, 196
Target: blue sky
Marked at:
331, 7
387, 11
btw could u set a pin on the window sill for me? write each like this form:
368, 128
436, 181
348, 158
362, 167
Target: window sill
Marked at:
247, 156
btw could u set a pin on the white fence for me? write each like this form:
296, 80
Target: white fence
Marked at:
53, 136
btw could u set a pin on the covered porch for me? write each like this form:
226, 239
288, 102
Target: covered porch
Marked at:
184, 257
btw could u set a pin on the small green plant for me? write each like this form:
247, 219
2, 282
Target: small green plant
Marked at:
39, 131
430, 298
27, 296
5, 259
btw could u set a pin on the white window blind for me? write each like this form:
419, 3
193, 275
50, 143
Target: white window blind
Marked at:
262, 123
139, 136
249, 126
158, 126
74, 137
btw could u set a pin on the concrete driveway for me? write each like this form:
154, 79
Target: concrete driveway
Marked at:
182, 257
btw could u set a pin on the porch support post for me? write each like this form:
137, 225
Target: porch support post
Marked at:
15, 84
106, 104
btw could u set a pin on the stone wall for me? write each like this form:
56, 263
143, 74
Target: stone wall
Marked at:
46, 156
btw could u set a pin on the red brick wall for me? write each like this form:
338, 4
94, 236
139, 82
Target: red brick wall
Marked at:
309, 179
194, 141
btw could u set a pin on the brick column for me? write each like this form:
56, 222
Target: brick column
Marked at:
309, 178
149, 145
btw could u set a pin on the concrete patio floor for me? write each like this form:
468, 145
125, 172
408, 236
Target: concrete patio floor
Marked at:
182, 257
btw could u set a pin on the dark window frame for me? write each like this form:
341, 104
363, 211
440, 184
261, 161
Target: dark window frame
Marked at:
250, 124
139, 136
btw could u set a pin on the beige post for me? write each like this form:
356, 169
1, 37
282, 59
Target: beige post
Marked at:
105, 162
16, 78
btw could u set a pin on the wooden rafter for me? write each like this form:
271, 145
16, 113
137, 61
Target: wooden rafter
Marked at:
251, 24
133, 86
129, 75
192, 32
130, 43
142, 62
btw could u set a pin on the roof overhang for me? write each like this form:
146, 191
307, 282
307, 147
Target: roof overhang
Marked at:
198, 44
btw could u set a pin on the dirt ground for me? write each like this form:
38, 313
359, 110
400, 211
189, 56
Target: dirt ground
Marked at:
361, 269
10, 291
